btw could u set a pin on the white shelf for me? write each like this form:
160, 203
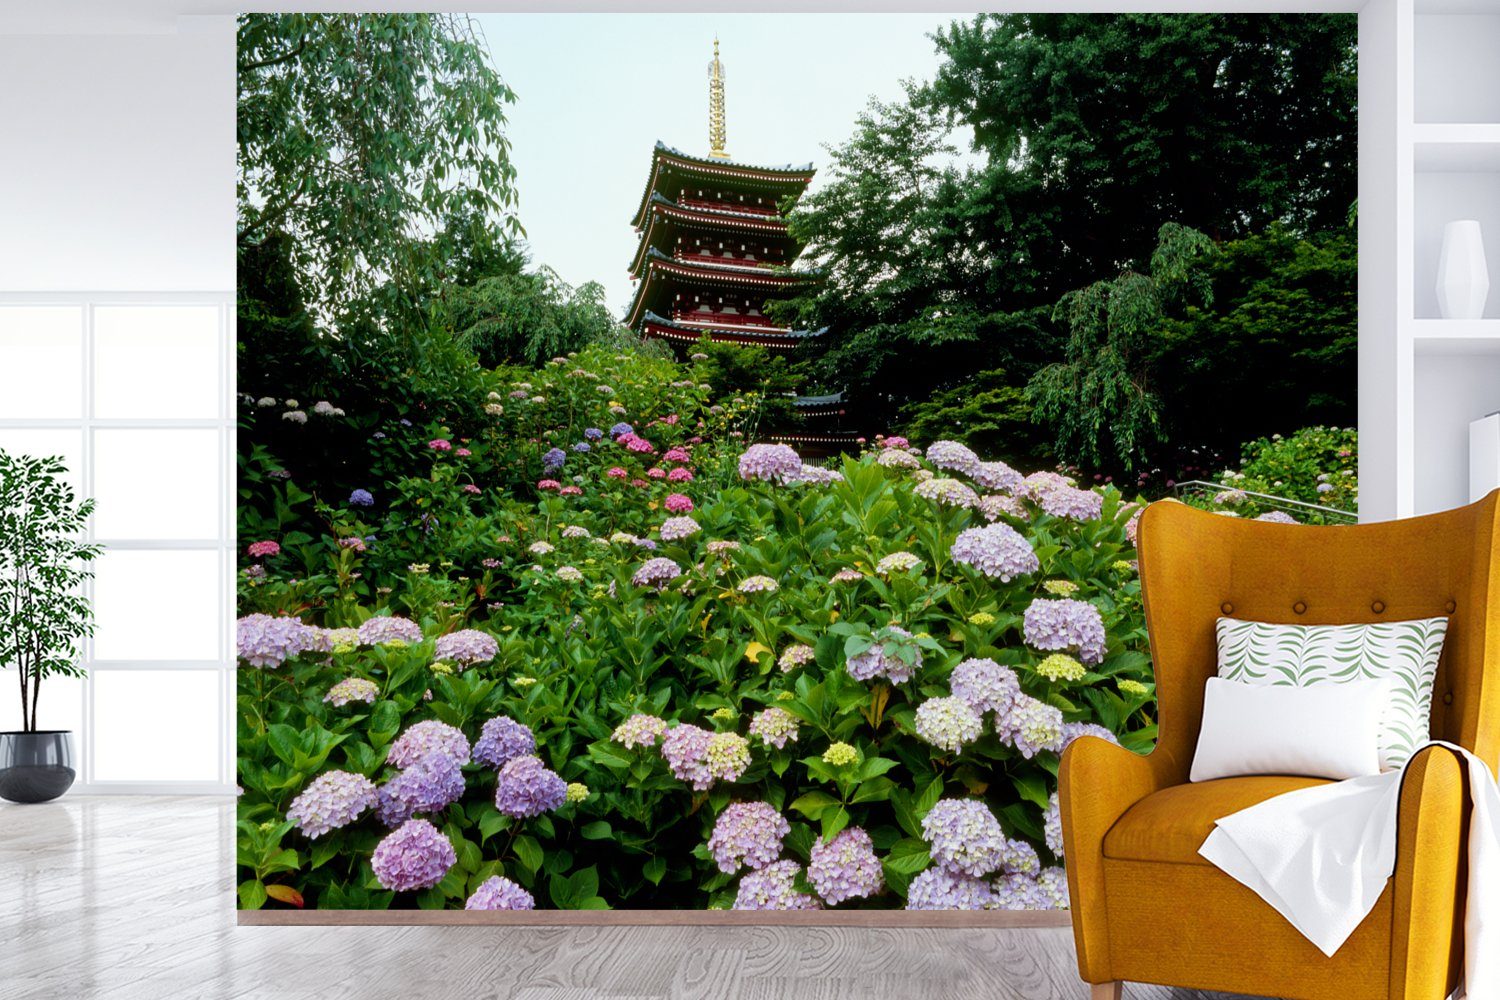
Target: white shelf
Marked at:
1446, 337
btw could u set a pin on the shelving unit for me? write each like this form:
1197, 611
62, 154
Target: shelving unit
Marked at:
1426, 378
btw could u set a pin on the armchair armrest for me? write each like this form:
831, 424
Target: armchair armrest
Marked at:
1097, 783
1428, 891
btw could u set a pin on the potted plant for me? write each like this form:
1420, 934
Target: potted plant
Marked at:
43, 614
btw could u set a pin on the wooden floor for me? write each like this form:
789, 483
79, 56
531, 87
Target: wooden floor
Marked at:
133, 897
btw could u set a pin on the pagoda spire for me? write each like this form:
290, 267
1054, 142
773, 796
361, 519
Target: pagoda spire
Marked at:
716, 106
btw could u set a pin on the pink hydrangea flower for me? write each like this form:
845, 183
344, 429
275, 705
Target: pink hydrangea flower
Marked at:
470, 488
570, 491
677, 503
440, 444
259, 550
657, 472
681, 474
548, 484
462, 452
615, 472
676, 455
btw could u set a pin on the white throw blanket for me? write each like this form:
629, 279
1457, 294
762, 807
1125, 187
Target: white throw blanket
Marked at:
1321, 856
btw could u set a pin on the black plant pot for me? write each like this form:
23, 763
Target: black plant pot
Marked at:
36, 767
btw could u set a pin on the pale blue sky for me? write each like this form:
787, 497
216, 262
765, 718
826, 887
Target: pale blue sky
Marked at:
595, 92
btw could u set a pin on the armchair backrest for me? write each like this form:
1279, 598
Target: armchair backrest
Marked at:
1197, 566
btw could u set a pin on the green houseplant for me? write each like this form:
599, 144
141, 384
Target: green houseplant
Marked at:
43, 614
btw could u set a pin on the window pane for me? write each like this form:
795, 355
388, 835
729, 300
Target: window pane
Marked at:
156, 361
156, 605
158, 484
41, 362
66, 444
156, 725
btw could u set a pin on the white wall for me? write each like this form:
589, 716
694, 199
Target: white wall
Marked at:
117, 160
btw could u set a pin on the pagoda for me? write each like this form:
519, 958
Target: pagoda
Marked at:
714, 247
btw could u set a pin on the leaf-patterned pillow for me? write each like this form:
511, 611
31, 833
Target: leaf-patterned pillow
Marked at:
1405, 653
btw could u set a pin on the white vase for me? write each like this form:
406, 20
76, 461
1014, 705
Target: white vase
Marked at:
1463, 281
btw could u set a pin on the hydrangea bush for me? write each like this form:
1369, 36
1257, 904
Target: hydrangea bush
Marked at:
672, 669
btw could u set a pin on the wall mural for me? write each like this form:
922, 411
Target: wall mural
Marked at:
635, 521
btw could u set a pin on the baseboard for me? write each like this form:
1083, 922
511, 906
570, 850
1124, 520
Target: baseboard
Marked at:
972, 919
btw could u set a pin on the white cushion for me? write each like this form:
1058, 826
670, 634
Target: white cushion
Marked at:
1405, 653
1320, 731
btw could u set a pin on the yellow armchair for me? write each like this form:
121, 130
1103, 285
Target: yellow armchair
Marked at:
1146, 906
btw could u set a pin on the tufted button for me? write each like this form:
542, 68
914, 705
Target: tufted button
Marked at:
1227, 608
1451, 607
1299, 607
1448, 698
1378, 607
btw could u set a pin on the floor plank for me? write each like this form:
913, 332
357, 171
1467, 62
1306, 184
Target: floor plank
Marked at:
124, 897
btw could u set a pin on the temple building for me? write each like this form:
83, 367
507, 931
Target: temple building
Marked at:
713, 243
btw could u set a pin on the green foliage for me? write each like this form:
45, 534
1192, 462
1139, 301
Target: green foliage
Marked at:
1316, 465
985, 412
357, 133
582, 646
43, 565
526, 318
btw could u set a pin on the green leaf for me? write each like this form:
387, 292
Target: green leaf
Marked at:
528, 852
812, 804
597, 830
252, 894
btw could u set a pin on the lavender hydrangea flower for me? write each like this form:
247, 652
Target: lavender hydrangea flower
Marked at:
527, 787
816, 475
583, 447
1031, 726
1019, 856
897, 562
361, 498
996, 550
639, 731
997, 476
897, 458
502, 740
964, 836
947, 493
994, 506
772, 463
500, 893
684, 748
773, 888
674, 529
384, 629
333, 799
554, 459
430, 785
1277, 517
621, 429
428, 737
267, 642
952, 456
352, 689
845, 867
757, 585
985, 685
940, 889
466, 647
1041, 482
890, 657
798, 654
656, 573
1047, 890
413, 856
1064, 625
775, 726
1073, 730
1052, 826
947, 723
593, 433
747, 833
1065, 501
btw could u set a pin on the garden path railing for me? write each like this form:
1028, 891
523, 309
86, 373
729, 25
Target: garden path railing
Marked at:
1303, 511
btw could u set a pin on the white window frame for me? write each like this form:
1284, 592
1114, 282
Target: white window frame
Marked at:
223, 544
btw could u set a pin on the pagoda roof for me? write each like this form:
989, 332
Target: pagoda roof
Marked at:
657, 263
830, 399
669, 213
776, 338
790, 176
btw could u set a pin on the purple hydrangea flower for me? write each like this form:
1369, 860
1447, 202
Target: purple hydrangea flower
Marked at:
674, 529
527, 787
389, 628
996, 550
620, 429
593, 433
656, 573
953, 456
775, 726
1072, 730
1019, 856
502, 740
639, 730
1278, 517
361, 498
685, 749
883, 659
500, 893
1065, 624
1052, 826
997, 476
771, 463
1046, 890
845, 867
994, 506
964, 836
554, 459
1031, 726
413, 856
430, 785
948, 723
1065, 501
583, 447
772, 888
985, 685
747, 833
428, 737
466, 646
267, 641
331, 800
940, 889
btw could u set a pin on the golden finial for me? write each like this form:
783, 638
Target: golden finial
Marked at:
716, 106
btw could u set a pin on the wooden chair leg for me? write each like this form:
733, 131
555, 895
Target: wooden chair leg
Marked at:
1106, 991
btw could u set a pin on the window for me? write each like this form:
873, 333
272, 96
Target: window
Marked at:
133, 392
